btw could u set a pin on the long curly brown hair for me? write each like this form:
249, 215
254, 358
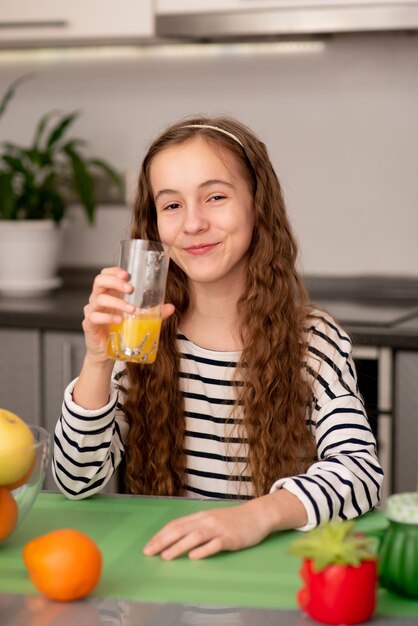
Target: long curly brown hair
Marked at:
272, 311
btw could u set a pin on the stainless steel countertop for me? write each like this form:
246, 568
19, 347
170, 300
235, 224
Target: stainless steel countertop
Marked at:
19, 610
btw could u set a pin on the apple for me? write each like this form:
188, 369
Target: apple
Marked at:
23, 479
17, 448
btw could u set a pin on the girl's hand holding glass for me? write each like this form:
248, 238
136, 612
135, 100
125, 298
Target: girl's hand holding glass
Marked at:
106, 306
135, 338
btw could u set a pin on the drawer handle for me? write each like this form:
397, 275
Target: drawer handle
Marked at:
32, 24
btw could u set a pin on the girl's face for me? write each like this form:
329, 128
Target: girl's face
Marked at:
204, 210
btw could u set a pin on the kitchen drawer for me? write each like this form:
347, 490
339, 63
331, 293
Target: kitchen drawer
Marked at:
63, 357
20, 373
61, 22
406, 424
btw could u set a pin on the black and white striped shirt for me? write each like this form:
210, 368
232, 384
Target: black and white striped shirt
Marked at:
344, 483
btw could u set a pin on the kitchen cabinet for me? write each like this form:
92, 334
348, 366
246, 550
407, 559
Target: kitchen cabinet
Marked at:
35, 368
63, 354
374, 367
63, 357
211, 6
65, 22
20, 373
406, 425
212, 19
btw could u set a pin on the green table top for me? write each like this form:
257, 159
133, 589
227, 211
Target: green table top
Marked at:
262, 576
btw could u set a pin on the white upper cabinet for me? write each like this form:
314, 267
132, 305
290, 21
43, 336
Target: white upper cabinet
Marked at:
211, 19
26, 23
164, 7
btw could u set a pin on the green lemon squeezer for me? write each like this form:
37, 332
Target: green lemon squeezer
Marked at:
398, 549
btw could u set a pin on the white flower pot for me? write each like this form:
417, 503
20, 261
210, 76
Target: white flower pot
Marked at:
29, 256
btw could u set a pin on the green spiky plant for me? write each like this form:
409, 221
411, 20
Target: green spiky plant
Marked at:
334, 543
37, 181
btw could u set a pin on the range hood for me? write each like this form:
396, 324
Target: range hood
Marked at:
255, 19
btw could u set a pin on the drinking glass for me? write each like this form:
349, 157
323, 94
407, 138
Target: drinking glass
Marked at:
136, 337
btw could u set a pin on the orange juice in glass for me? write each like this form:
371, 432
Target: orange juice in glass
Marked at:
135, 339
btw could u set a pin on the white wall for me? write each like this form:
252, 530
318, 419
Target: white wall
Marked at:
341, 126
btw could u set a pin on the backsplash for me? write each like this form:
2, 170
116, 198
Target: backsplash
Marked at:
340, 126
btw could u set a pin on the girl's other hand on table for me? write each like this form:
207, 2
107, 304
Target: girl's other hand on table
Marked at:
232, 528
205, 533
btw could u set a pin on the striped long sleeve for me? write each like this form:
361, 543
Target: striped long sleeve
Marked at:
88, 445
346, 480
343, 483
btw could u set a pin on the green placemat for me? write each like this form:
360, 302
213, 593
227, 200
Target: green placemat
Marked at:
263, 576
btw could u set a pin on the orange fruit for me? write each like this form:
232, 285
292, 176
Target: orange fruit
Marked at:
8, 513
64, 564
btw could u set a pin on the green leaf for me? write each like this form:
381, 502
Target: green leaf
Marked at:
15, 164
40, 128
36, 157
12, 90
7, 197
83, 182
54, 205
334, 543
59, 130
50, 181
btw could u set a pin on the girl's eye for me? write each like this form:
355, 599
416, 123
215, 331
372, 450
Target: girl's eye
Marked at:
217, 197
171, 207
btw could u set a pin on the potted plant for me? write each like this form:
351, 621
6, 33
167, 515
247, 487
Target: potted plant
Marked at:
339, 571
38, 183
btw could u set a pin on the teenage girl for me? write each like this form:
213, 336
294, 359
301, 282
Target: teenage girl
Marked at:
253, 394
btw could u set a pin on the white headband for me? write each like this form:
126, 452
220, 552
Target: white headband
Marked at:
220, 130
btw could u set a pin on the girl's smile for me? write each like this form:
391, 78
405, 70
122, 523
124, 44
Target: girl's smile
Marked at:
202, 248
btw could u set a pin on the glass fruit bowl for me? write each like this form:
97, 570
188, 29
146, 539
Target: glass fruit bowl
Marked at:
17, 498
